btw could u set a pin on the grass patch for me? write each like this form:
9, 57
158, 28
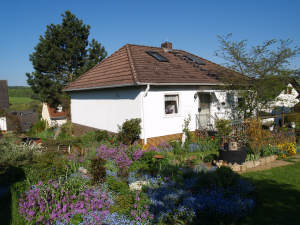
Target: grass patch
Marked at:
278, 196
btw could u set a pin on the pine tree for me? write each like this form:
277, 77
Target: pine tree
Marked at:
62, 55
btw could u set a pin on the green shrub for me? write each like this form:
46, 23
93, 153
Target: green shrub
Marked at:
208, 144
66, 132
210, 158
130, 131
87, 139
226, 177
223, 127
268, 150
49, 165
101, 135
75, 183
153, 165
46, 134
117, 186
223, 177
123, 204
98, 170
177, 149
38, 127
15, 154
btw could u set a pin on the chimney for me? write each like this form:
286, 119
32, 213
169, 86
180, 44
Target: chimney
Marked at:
167, 45
59, 108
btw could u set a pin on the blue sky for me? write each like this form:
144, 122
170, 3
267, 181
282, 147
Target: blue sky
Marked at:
189, 25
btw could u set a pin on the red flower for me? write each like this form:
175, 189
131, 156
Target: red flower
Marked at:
212, 137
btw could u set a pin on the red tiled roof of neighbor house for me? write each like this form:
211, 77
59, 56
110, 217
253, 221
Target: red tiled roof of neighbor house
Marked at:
132, 65
54, 113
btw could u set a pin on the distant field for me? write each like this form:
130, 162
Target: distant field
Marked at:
23, 103
20, 100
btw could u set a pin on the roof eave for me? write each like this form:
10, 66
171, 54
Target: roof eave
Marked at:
181, 84
142, 84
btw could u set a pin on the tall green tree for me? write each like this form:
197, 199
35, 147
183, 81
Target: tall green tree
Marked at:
62, 55
267, 65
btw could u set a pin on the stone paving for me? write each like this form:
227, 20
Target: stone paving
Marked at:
275, 163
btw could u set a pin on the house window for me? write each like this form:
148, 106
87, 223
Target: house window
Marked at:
230, 99
171, 104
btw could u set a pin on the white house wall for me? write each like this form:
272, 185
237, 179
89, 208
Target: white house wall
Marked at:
3, 124
157, 123
57, 122
105, 108
45, 114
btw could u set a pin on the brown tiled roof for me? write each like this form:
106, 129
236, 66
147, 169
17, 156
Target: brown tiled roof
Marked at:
131, 65
4, 101
55, 114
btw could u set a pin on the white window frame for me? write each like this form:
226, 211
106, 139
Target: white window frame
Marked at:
178, 104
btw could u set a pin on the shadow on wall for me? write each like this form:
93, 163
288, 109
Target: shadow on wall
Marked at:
108, 94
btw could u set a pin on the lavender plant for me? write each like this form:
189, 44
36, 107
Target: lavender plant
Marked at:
47, 203
141, 213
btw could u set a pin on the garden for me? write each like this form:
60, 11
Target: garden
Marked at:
114, 179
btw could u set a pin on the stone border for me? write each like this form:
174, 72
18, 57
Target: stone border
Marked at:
248, 164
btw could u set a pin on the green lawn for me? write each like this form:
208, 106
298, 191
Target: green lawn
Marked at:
22, 103
278, 196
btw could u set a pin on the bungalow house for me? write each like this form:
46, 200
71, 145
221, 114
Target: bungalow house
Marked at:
161, 86
4, 104
55, 117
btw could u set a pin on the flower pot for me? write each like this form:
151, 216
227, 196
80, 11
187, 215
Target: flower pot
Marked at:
236, 156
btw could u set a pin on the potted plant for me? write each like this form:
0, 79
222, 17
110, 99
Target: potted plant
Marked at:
224, 129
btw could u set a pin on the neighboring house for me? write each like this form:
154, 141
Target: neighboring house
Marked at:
25, 119
162, 86
286, 98
55, 117
4, 104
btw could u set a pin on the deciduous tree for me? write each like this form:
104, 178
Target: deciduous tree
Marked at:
267, 65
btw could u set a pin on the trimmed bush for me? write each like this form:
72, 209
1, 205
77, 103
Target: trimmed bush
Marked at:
130, 131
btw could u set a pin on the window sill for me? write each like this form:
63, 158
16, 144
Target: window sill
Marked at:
172, 115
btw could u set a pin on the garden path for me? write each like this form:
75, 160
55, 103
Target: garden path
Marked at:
276, 163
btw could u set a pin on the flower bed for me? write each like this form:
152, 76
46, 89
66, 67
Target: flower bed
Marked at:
135, 187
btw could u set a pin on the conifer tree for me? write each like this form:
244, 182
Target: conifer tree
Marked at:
62, 55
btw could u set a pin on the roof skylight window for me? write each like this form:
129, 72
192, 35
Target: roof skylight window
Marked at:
157, 56
194, 59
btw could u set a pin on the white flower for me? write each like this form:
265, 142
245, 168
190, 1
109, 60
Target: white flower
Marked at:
137, 186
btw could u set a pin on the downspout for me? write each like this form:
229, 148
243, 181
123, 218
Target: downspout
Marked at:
143, 111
